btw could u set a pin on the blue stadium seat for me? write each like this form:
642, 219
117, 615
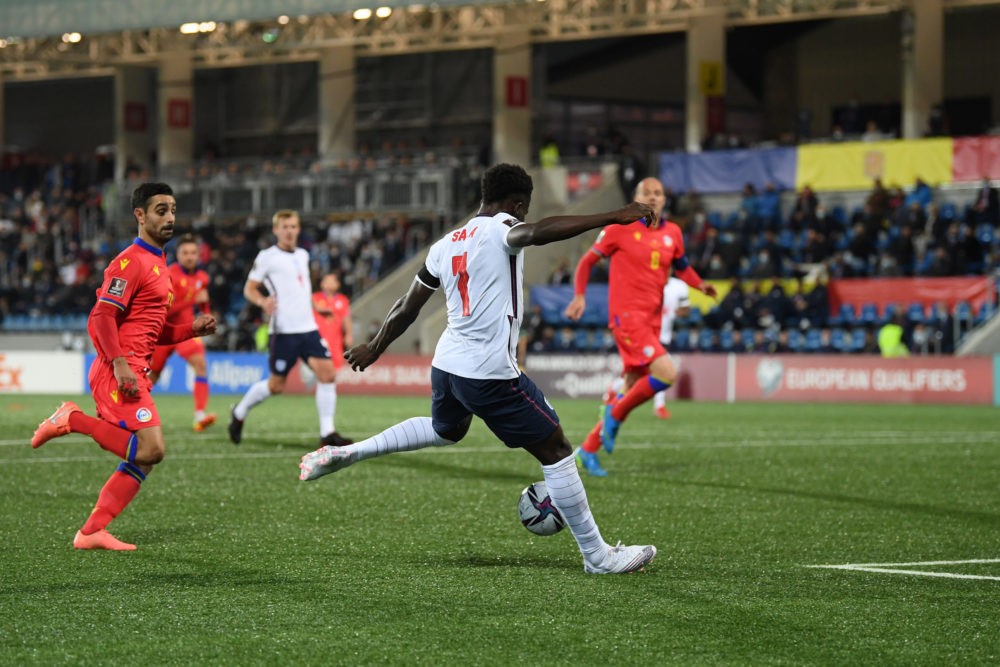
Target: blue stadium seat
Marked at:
796, 341
583, 340
681, 339
963, 312
839, 213
839, 340
726, 340
869, 314
705, 339
985, 234
948, 211
916, 312
694, 317
985, 312
813, 342
857, 339
845, 316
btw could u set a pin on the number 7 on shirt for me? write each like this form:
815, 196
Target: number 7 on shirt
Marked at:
460, 268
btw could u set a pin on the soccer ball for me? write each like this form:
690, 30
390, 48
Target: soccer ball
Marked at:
537, 512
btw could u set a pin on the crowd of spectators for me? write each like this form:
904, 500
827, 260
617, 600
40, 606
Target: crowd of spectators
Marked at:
55, 240
758, 247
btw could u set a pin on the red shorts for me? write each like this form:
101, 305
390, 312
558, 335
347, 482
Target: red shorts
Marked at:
186, 350
638, 340
131, 414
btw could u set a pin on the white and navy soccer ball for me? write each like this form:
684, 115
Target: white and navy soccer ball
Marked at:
537, 512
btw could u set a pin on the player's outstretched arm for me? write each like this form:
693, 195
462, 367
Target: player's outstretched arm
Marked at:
561, 227
402, 314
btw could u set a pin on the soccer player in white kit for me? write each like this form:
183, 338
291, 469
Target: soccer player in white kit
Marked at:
676, 303
284, 270
474, 371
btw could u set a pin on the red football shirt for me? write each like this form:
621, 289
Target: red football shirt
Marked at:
640, 260
137, 284
331, 327
185, 287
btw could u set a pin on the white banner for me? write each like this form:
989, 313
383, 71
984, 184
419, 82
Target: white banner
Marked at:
41, 372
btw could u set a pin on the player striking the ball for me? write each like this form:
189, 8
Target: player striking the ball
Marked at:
480, 268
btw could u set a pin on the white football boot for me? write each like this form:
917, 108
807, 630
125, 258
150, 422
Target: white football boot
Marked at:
322, 462
621, 559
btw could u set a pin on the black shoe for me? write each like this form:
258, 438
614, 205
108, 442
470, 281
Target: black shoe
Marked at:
235, 427
334, 440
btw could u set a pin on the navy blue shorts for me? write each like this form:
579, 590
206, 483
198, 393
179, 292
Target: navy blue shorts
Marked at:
515, 410
286, 349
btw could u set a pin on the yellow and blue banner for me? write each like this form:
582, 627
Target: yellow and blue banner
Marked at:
836, 166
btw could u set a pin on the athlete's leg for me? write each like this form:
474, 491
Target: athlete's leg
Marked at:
570, 498
662, 374
326, 394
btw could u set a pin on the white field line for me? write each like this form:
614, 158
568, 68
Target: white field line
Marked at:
895, 568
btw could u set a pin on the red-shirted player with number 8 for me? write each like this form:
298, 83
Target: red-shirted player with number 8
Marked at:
128, 320
641, 258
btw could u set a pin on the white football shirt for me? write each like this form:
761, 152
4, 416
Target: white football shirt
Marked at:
483, 285
675, 297
286, 276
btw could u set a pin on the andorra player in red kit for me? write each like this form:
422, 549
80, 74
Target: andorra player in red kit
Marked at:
641, 258
128, 320
190, 289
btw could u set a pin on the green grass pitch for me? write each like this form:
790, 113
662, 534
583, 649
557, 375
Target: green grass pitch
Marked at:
419, 558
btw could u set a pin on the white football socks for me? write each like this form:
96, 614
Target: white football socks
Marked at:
326, 406
569, 496
660, 399
412, 434
257, 393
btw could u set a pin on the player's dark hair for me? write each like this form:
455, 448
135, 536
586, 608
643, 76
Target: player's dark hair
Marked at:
187, 238
503, 180
146, 191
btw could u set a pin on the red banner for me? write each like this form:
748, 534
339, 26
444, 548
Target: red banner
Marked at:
836, 379
977, 290
975, 157
392, 375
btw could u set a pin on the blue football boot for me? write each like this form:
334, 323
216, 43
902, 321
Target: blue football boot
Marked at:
590, 463
609, 429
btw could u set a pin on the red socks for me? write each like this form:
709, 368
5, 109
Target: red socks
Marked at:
111, 438
640, 392
116, 494
593, 440
200, 394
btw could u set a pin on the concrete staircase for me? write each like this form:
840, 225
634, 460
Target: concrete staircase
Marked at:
548, 199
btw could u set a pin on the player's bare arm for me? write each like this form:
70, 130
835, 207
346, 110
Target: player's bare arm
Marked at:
402, 314
204, 325
251, 290
561, 227
578, 304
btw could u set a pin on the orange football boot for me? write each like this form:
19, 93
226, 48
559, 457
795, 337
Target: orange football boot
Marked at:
662, 412
102, 539
203, 423
56, 425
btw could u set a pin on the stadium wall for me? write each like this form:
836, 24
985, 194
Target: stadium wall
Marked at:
713, 377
